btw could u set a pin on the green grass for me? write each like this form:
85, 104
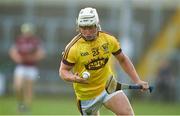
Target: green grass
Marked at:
67, 106
156, 108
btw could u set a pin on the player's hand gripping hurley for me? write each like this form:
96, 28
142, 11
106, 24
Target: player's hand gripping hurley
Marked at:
113, 85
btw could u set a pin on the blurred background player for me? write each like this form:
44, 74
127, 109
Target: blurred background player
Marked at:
26, 52
91, 50
165, 79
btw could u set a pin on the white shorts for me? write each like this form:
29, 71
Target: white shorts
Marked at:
92, 106
27, 72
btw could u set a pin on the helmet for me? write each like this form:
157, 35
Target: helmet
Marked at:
88, 17
27, 28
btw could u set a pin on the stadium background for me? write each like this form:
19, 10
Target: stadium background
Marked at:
149, 32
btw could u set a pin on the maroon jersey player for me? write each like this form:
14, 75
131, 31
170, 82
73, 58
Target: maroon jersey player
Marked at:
27, 46
26, 52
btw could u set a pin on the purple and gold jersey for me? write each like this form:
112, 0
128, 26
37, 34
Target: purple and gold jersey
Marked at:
92, 56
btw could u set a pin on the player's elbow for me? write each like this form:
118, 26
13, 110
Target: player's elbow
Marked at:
64, 72
61, 74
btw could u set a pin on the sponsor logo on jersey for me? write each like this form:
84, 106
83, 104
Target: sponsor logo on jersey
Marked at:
96, 64
84, 53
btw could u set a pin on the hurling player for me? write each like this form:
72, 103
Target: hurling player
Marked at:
90, 51
26, 52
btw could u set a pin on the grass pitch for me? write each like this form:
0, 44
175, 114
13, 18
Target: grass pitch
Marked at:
67, 106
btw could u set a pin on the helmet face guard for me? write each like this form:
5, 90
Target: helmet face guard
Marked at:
88, 32
90, 37
88, 17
